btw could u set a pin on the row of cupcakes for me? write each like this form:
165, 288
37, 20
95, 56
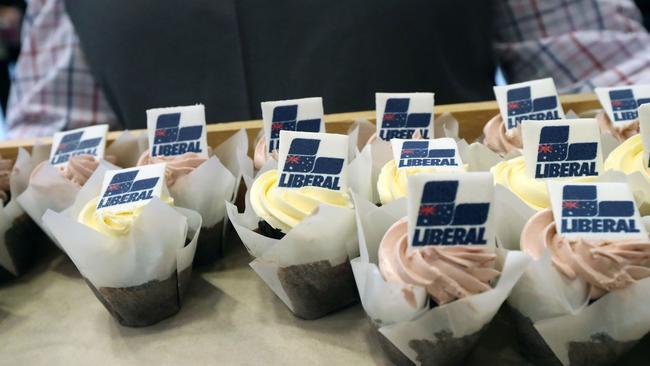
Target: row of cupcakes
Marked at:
312, 209
431, 301
133, 216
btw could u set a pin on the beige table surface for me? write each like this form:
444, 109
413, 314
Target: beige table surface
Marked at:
229, 317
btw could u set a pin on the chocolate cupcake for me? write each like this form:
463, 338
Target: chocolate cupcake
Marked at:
430, 303
136, 257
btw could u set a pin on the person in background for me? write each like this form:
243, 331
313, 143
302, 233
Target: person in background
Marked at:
644, 6
11, 13
231, 55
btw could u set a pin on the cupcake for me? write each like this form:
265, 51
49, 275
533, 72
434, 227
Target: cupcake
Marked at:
74, 156
631, 156
572, 304
131, 245
421, 288
531, 100
20, 237
300, 227
6, 166
305, 114
621, 132
197, 179
619, 116
499, 140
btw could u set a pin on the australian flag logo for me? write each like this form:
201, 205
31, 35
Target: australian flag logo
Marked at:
398, 123
520, 102
438, 207
286, 118
582, 212
122, 183
302, 158
441, 221
625, 105
556, 157
582, 201
420, 149
417, 153
72, 142
167, 130
554, 146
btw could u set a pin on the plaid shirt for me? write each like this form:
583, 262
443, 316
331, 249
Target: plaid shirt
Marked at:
580, 43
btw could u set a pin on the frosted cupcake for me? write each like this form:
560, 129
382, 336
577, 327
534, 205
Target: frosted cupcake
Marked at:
301, 224
131, 245
619, 116
305, 114
532, 100
632, 155
74, 156
197, 179
421, 287
577, 302
6, 165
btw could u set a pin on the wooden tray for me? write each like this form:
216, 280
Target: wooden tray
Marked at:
472, 117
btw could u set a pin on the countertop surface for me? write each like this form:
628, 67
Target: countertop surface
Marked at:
229, 317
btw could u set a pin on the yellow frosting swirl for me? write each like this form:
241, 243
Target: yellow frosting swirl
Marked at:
112, 223
512, 175
392, 181
283, 208
628, 158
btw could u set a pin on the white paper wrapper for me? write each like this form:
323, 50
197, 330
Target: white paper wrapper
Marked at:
127, 148
139, 276
308, 268
442, 335
446, 126
576, 332
559, 308
19, 235
233, 154
360, 132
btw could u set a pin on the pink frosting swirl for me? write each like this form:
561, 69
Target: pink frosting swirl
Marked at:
622, 131
498, 139
80, 168
6, 166
177, 166
446, 272
604, 265
260, 156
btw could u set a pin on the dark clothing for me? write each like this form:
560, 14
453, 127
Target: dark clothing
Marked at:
231, 55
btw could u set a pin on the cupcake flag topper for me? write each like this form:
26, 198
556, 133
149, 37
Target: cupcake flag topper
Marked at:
595, 211
438, 153
309, 159
82, 141
562, 149
530, 100
127, 189
175, 131
622, 103
399, 115
450, 209
304, 115
644, 125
